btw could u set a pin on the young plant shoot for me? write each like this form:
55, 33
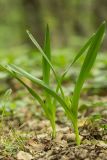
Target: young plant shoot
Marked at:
90, 48
51, 109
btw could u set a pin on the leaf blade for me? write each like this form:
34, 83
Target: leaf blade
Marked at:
17, 70
87, 65
47, 51
79, 54
46, 58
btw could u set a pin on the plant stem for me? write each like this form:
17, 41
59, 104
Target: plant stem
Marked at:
74, 121
53, 128
78, 141
54, 131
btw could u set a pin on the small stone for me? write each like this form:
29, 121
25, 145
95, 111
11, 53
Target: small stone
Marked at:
41, 136
104, 138
24, 156
83, 154
64, 158
64, 130
71, 137
102, 155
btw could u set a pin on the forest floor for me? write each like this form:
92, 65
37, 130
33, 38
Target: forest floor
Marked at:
25, 133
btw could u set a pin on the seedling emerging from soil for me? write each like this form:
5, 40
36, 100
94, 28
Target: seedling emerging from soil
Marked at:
50, 109
71, 109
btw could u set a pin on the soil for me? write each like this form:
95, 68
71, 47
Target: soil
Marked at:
36, 138
26, 134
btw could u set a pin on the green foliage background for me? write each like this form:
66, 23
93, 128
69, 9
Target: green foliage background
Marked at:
68, 20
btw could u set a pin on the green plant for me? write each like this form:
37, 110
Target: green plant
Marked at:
7, 107
71, 108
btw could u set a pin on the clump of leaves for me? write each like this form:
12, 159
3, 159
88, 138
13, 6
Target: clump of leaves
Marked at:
91, 48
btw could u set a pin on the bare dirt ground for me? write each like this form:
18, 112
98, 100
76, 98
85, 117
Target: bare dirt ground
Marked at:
29, 138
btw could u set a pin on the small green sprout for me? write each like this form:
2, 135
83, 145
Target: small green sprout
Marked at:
7, 107
91, 48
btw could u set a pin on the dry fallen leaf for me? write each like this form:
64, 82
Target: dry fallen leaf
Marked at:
24, 156
33, 145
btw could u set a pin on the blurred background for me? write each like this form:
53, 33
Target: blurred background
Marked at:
69, 21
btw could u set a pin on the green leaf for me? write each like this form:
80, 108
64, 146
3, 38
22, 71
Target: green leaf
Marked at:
79, 54
12, 69
49, 106
46, 58
46, 69
47, 51
85, 69
87, 65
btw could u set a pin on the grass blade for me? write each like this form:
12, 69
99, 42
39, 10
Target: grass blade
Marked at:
47, 51
46, 58
85, 69
88, 62
32, 92
79, 54
18, 71
49, 106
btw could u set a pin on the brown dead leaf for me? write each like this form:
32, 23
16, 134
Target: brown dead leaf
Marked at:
35, 146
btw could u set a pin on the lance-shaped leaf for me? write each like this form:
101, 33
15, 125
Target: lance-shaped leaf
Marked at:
47, 51
79, 54
87, 65
49, 106
18, 71
46, 58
